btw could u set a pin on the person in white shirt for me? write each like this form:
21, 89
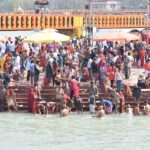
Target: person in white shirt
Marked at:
50, 58
132, 45
131, 59
27, 64
32, 72
12, 48
17, 63
119, 78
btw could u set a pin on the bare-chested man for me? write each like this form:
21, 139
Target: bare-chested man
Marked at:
50, 106
101, 112
129, 110
59, 97
136, 110
146, 109
64, 112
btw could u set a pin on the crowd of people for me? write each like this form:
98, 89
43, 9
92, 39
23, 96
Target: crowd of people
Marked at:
104, 65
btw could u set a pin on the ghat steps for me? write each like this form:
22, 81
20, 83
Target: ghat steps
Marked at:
48, 94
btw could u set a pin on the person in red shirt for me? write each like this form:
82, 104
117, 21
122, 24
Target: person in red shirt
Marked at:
70, 48
142, 56
86, 74
74, 88
147, 67
101, 56
32, 101
111, 74
54, 45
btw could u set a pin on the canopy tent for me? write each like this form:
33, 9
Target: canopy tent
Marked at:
2, 39
116, 36
47, 36
49, 30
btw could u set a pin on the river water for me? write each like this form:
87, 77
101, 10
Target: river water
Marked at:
76, 132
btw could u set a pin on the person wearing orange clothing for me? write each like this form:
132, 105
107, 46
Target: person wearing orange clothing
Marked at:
70, 48
111, 74
122, 102
142, 56
147, 67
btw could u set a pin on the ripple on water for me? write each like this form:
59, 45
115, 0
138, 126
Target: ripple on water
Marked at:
114, 132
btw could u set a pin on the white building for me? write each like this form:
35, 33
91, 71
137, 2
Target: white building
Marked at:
106, 5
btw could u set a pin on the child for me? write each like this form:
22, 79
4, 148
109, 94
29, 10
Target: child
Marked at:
38, 89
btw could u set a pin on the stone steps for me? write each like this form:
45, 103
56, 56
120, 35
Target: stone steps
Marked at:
48, 94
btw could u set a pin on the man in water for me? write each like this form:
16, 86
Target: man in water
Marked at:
59, 92
101, 112
50, 107
64, 112
136, 110
129, 110
146, 109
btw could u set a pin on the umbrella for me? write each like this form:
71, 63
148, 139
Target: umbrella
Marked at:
46, 36
2, 39
116, 36
49, 30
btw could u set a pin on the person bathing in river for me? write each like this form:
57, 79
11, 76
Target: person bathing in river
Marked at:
129, 110
146, 109
59, 97
50, 107
101, 112
64, 111
136, 110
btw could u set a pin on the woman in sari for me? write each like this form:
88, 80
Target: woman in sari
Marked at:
32, 101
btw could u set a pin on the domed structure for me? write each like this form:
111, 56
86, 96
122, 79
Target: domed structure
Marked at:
106, 4
41, 2
41, 6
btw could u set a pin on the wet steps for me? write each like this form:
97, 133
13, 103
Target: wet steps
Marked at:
48, 94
